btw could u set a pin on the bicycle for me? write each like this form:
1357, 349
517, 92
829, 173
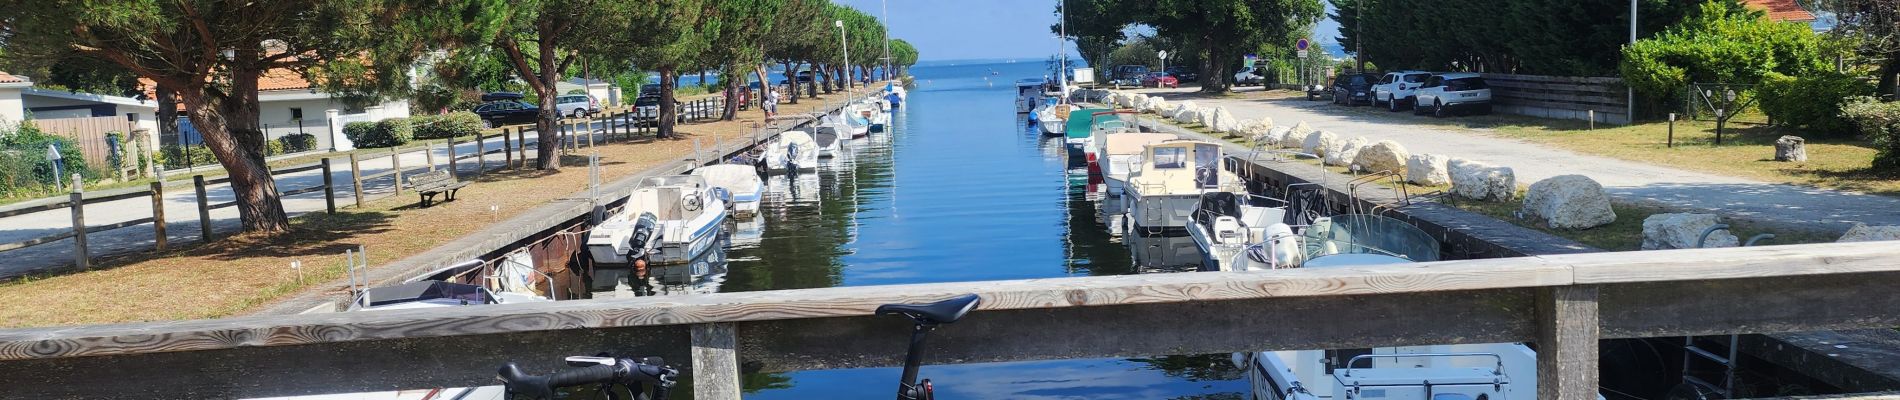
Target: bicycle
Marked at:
650, 378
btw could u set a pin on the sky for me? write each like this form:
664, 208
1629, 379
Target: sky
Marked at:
987, 29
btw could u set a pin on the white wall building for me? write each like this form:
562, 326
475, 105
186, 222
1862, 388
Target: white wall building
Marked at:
12, 111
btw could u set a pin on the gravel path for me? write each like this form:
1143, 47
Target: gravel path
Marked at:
1627, 181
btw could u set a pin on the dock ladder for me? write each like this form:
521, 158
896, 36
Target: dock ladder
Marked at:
1719, 350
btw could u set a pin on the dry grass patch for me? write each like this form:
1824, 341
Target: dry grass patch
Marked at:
238, 274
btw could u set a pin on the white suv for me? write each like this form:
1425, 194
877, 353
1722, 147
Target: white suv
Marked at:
1446, 93
1395, 89
1248, 76
576, 105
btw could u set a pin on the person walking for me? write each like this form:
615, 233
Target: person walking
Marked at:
770, 103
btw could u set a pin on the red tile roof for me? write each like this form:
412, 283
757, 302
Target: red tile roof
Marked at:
4, 78
1781, 10
281, 79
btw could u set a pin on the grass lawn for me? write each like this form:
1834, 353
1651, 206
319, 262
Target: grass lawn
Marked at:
242, 273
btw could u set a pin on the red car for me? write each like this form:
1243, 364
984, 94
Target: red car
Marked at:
1159, 79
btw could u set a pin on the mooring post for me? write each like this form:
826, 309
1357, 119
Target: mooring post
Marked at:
356, 180
521, 144
481, 152
1567, 343
715, 362
78, 198
158, 214
204, 209
452, 170
395, 164
329, 187
428, 156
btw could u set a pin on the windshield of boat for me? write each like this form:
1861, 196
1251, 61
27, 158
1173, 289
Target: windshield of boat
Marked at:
1170, 157
1369, 234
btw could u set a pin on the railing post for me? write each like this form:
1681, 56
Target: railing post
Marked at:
481, 152
356, 180
715, 362
395, 165
329, 188
78, 198
204, 209
521, 144
428, 156
1567, 342
452, 170
158, 214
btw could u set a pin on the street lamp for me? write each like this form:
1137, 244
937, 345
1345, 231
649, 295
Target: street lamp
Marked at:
847, 51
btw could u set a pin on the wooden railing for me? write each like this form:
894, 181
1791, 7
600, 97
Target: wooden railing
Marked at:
1595, 99
1564, 303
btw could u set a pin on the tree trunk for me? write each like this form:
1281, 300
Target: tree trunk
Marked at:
823, 76
547, 122
229, 126
667, 108
791, 80
1887, 71
1214, 71
731, 109
167, 112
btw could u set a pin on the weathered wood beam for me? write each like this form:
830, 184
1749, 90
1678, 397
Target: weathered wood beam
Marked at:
1755, 305
1567, 343
715, 362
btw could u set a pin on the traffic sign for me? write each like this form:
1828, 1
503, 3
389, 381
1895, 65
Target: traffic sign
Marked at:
1302, 53
1301, 46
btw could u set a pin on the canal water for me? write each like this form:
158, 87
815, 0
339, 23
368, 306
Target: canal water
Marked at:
962, 189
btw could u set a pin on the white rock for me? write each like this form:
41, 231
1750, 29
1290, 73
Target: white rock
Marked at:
1186, 112
1569, 202
1427, 169
1138, 101
1342, 152
1226, 123
1680, 231
1157, 105
1295, 137
1385, 155
1255, 131
1317, 143
1480, 181
1205, 117
1864, 233
1273, 137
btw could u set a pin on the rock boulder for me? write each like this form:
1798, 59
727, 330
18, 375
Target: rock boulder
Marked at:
1480, 181
1569, 202
1224, 123
1295, 137
1385, 155
1343, 152
1317, 143
1681, 231
1791, 148
1865, 233
1427, 169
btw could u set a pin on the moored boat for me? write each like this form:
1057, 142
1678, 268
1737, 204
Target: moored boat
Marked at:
1163, 192
741, 182
790, 151
666, 220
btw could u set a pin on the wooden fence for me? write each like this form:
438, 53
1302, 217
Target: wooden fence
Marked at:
1564, 303
90, 134
82, 258
1604, 100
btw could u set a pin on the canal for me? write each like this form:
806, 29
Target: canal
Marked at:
961, 190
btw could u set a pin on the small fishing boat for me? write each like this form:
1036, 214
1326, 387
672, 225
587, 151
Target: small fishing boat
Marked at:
1225, 224
856, 120
1120, 155
1162, 194
1054, 118
790, 151
742, 182
510, 281
828, 140
667, 220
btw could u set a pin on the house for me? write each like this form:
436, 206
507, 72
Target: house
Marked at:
1781, 10
12, 111
290, 104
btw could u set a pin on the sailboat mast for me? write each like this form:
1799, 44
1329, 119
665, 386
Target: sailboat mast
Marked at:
1062, 48
886, 6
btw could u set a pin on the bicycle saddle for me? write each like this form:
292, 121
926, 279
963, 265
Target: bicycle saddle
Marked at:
942, 312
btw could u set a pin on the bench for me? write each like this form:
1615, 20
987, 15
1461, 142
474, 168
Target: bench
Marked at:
428, 184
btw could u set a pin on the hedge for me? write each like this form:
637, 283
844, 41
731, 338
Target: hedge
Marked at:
23, 164
298, 142
386, 133
1812, 102
1879, 122
455, 124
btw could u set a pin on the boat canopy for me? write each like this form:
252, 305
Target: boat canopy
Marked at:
1080, 121
1369, 234
741, 180
672, 180
1131, 143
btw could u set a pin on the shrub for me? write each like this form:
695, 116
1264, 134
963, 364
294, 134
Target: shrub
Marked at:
455, 124
1879, 122
173, 156
1812, 102
1720, 45
273, 148
386, 133
299, 142
27, 166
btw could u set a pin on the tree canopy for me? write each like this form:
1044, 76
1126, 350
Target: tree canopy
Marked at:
1216, 32
1578, 37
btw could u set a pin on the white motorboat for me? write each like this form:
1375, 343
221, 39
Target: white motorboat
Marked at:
790, 151
740, 182
856, 117
1163, 192
828, 139
1121, 155
511, 280
667, 220
1226, 223
1053, 118
1029, 94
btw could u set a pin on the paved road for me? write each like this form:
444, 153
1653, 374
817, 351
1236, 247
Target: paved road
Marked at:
1627, 181
181, 210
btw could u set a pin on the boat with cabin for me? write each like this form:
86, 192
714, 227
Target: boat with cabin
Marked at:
1029, 94
1165, 188
666, 220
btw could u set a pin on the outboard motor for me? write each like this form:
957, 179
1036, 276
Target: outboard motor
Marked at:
643, 235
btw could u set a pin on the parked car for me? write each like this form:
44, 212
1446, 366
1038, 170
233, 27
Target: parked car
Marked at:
1160, 79
1129, 75
1249, 76
646, 110
502, 109
1395, 89
1351, 89
577, 105
1453, 92
651, 89
1184, 74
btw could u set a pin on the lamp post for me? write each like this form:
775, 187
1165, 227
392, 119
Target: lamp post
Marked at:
847, 51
